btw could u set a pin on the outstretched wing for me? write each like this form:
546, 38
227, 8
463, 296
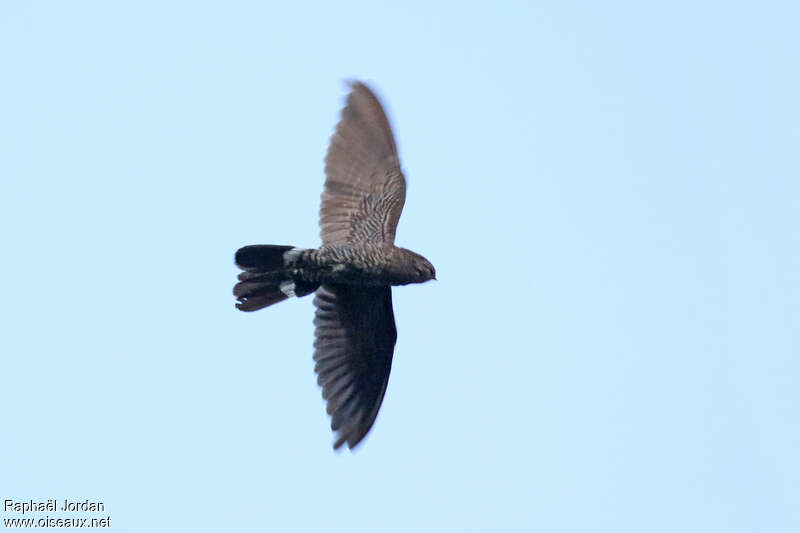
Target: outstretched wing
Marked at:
355, 337
364, 186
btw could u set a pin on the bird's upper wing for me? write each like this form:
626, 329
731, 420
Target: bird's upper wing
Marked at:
364, 186
355, 337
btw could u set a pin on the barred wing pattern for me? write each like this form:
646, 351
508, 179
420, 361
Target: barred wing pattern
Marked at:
355, 337
364, 186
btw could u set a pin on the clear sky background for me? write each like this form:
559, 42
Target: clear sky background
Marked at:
610, 192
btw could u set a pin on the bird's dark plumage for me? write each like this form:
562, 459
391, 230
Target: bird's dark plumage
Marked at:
364, 186
354, 341
352, 273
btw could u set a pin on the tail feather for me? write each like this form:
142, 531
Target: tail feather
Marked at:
258, 296
261, 257
276, 276
266, 280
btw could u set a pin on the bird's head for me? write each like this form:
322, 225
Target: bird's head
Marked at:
422, 269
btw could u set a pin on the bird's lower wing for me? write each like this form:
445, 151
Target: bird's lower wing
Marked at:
355, 338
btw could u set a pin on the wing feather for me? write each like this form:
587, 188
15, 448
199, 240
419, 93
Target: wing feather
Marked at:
355, 338
364, 186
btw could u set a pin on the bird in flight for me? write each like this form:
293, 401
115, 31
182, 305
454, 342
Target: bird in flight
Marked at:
352, 273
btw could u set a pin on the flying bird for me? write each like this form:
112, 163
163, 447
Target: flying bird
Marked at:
352, 273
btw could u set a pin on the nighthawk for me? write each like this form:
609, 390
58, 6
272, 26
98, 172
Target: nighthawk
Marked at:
352, 273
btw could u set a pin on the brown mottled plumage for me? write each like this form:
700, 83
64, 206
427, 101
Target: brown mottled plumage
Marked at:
352, 272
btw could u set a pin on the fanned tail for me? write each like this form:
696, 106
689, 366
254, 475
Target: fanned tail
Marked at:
267, 277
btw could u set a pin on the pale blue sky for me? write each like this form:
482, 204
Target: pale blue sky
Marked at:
609, 192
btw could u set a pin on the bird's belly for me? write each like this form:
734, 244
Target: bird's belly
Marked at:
353, 274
